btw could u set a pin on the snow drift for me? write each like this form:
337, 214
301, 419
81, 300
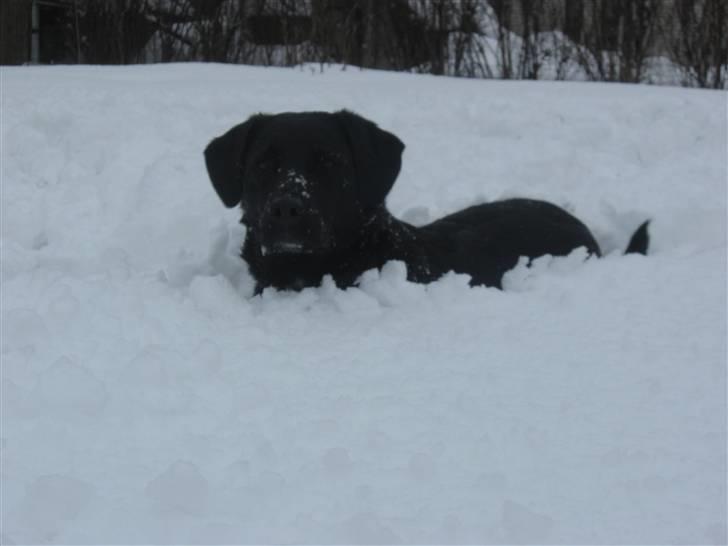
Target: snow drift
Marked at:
148, 398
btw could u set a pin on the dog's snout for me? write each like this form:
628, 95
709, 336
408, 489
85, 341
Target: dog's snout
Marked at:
291, 225
287, 209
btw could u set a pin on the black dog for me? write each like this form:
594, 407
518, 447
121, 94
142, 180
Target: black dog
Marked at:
312, 187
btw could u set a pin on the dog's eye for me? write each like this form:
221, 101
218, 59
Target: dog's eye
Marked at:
329, 160
265, 162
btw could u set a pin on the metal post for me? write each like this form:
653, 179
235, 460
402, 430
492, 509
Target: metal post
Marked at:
78, 32
34, 33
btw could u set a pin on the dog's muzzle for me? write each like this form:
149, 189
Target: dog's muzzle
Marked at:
290, 225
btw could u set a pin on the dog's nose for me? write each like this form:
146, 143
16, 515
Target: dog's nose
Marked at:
287, 210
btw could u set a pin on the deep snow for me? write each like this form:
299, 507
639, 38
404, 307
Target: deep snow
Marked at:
148, 398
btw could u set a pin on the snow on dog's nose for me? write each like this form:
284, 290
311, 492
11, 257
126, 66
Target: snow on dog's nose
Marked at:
297, 183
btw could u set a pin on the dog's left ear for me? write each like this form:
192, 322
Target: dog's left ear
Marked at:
377, 156
225, 160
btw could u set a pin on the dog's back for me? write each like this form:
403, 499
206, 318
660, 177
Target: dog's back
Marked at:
487, 240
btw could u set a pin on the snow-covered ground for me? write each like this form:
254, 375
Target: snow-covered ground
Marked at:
148, 398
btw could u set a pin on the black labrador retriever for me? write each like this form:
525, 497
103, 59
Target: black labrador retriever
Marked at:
312, 187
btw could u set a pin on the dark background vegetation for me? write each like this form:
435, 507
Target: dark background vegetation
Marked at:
606, 40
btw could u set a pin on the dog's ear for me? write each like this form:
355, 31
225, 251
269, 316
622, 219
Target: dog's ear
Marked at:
225, 160
377, 156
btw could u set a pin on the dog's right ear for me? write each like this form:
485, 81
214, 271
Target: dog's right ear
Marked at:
225, 160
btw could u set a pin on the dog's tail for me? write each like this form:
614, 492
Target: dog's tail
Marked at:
640, 240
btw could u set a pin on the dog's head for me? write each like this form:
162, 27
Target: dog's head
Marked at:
307, 182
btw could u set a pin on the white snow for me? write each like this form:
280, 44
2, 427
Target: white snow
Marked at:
148, 398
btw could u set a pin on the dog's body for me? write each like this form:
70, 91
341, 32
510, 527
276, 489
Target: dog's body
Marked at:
312, 187
483, 241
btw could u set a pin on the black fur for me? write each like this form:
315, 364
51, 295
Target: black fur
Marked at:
312, 187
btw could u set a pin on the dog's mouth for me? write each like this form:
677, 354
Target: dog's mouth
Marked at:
290, 248
288, 243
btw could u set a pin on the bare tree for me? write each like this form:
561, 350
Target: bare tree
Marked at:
530, 56
113, 32
616, 37
698, 39
460, 40
558, 47
611, 40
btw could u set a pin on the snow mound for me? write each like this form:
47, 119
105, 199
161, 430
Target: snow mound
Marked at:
148, 397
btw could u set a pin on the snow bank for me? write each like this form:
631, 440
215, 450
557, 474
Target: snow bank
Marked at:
148, 398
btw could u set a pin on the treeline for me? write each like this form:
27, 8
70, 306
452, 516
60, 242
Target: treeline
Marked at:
653, 41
